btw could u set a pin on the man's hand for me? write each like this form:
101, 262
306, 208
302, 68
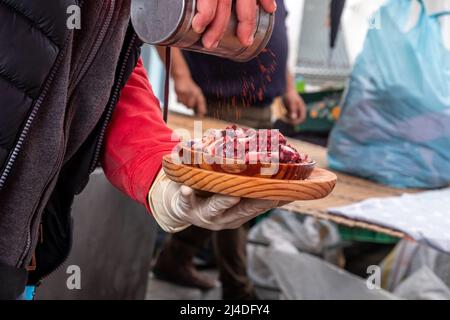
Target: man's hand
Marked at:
190, 94
295, 106
176, 207
213, 16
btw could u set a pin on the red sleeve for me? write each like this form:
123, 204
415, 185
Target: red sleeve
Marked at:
137, 138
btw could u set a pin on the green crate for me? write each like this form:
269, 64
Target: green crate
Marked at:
323, 111
363, 235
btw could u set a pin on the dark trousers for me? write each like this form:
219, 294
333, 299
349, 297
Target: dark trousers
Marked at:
231, 255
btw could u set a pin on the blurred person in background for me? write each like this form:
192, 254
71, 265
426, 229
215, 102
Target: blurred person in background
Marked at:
240, 92
243, 93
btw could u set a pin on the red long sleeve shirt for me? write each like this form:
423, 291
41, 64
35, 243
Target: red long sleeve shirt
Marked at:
137, 139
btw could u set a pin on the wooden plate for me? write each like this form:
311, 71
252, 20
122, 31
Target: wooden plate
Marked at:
320, 184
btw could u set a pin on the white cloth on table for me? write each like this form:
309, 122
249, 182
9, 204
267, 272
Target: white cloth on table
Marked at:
423, 216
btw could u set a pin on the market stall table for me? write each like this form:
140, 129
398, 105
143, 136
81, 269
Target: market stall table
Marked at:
349, 189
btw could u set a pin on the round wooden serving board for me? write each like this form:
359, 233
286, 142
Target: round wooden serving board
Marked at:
319, 185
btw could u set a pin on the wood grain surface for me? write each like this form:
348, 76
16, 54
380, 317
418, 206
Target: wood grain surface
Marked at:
319, 185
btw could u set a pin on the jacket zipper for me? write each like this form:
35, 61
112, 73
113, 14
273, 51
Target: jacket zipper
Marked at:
111, 106
22, 137
28, 123
34, 111
100, 140
30, 220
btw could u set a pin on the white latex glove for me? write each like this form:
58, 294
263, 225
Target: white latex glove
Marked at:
176, 207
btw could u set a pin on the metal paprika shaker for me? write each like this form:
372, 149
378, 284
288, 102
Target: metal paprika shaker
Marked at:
169, 23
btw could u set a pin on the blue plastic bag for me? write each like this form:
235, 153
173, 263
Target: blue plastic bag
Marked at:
395, 123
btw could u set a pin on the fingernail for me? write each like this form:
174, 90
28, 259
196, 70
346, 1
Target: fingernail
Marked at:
208, 44
250, 40
196, 27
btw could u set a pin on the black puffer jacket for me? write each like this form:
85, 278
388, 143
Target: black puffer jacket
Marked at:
58, 90
26, 59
